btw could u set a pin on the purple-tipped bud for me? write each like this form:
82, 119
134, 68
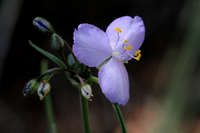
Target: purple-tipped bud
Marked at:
30, 87
43, 25
43, 89
86, 91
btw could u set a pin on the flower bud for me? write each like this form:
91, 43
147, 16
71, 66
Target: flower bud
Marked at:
57, 42
30, 87
86, 91
43, 25
43, 89
70, 60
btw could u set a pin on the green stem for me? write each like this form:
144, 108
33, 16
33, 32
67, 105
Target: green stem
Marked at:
83, 103
49, 113
119, 117
48, 102
85, 116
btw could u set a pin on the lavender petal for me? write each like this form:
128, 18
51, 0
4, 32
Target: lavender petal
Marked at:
91, 45
114, 81
133, 30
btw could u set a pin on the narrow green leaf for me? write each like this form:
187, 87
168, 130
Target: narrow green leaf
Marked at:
49, 55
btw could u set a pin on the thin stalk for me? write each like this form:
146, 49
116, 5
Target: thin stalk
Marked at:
49, 113
85, 116
119, 117
49, 72
63, 55
83, 103
84, 109
67, 45
70, 49
48, 102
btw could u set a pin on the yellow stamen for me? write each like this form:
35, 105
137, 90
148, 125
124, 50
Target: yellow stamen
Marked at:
125, 41
138, 55
137, 52
118, 29
127, 47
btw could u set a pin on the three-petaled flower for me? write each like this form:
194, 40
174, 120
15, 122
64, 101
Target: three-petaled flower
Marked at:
121, 41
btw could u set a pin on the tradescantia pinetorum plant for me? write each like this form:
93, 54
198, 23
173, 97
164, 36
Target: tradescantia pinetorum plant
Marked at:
107, 51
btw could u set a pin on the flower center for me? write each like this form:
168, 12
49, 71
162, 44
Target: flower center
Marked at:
128, 47
137, 55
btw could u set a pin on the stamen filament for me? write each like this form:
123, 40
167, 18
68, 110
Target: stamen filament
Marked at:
137, 55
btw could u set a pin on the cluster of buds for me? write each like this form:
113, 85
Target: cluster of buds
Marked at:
41, 87
57, 43
44, 26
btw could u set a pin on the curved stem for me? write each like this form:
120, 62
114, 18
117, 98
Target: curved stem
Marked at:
119, 117
84, 109
49, 71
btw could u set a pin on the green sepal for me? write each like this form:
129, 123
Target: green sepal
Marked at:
70, 60
92, 79
76, 67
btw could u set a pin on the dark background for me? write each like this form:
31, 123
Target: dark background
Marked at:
166, 29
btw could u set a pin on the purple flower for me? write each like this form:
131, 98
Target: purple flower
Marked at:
122, 41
